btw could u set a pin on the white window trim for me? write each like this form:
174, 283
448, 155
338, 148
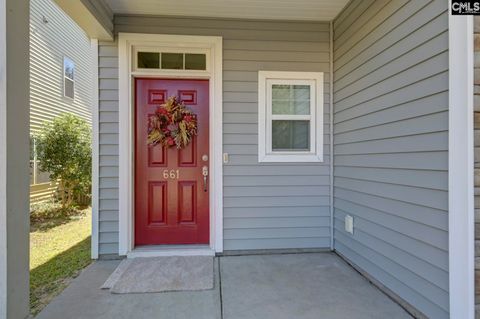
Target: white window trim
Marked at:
65, 77
265, 79
461, 216
126, 44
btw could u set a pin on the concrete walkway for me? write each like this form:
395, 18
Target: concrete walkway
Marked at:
300, 286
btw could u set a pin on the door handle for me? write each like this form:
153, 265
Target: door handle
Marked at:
205, 174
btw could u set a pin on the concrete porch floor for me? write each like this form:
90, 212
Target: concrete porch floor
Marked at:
300, 286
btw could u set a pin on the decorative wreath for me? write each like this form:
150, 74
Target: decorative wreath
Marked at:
172, 124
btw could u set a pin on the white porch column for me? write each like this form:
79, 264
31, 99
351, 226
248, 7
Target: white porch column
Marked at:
461, 169
14, 155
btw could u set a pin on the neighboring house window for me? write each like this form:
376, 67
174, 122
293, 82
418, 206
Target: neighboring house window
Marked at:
68, 78
290, 117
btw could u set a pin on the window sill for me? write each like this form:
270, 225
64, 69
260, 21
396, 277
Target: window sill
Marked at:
290, 158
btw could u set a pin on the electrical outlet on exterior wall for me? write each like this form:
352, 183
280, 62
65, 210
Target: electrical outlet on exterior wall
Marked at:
349, 224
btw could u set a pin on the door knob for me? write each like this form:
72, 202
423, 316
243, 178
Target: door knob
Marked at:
205, 174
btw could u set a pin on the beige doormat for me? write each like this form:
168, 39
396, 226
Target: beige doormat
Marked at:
160, 274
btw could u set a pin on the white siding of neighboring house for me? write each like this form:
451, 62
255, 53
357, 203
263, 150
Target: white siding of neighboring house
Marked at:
49, 42
53, 36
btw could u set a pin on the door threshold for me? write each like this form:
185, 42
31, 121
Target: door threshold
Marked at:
171, 250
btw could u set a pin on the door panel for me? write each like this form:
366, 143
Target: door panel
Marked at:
171, 198
157, 157
187, 203
188, 155
157, 208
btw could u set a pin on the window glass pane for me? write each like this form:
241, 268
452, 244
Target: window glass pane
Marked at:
290, 135
301, 92
291, 99
69, 88
148, 60
68, 68
281, 107
172, 61
195, 61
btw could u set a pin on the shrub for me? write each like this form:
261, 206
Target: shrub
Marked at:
64, 150
43, 212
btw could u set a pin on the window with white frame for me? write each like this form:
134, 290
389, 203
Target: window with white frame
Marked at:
290, 116
68, 78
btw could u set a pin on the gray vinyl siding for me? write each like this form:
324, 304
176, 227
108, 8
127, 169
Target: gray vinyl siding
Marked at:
391, 146
108, 148
49, 43
266, 206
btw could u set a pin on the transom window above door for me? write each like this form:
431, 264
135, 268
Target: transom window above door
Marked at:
154, 60
290, 116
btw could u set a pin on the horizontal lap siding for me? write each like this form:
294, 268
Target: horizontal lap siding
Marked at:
266, 206
108, 152
391, 146
49, 43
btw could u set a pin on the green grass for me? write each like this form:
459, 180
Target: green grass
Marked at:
59, 249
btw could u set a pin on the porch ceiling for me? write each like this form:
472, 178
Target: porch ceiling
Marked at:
309, 10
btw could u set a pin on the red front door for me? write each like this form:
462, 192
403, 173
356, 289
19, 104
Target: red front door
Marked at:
171, 194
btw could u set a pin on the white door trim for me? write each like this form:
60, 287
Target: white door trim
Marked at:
126, 44
95, 150
460, 168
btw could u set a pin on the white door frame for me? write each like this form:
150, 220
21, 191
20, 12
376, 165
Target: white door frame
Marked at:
127, 42
460, 168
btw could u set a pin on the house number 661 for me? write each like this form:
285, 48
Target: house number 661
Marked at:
172, 174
